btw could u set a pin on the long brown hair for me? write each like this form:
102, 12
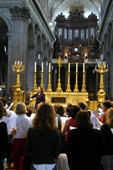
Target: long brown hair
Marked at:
83, 120
44, 119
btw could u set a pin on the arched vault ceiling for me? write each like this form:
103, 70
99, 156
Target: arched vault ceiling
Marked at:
60, 5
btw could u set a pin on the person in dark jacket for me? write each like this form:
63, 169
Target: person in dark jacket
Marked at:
43, 139
107, 132
86, 145
40, 97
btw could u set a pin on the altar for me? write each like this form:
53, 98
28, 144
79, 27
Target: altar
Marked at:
60, 97
65, 98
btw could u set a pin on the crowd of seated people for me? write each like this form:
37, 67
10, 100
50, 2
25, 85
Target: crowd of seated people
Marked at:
41, 135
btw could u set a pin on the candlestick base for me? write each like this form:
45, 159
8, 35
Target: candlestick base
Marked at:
49, 88
35, 88
59, 89
83, 88
76, 88
68, 88
101, 95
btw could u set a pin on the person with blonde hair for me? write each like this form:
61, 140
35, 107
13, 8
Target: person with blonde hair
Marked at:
23, 123
43, 139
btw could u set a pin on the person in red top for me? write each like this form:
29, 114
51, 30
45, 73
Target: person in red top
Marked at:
105, 105
70, 122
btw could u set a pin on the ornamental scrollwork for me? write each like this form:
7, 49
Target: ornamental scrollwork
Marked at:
20, 12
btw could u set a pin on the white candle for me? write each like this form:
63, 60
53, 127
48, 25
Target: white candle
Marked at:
42, 66
76, 67
49, 66
18, 62
35, 66
21, 63
83, 67
68, 67
15, 62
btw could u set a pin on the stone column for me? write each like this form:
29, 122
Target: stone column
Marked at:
11, 75
18, 44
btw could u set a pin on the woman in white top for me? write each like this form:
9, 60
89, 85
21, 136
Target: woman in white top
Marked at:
23, 123
6, 120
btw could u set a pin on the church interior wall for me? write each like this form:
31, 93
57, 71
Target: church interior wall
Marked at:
22, 46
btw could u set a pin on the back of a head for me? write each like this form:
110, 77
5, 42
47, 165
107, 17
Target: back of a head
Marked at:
44, 119
20, 108
109, 116
82, 105
69, 105
56, 108
29, 112
74, 111
60, 110
83, 120
4, 101
1, 109
68, 109
107, 104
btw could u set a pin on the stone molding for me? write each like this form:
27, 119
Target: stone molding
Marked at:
37, 29
44, 38
20, 12
109, 27
105, 36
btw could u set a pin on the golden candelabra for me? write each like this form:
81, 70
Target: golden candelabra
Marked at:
33, 100
59, 61
68, 85
101, 70
49, 82
76, 83
35, 85
83, 85
19, 95
42, 85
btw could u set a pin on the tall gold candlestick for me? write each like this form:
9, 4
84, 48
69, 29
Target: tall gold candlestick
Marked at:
76, 83
59, 61
68, 85
101, 70
49, 82
35, 85
18, 93
42, 85
83, 85
18, 68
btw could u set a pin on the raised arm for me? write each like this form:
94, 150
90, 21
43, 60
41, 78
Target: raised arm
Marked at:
31, 95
